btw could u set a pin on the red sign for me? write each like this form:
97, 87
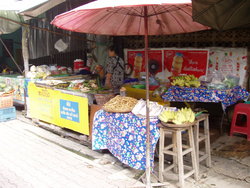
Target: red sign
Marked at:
137, 60
186, 61
193, 61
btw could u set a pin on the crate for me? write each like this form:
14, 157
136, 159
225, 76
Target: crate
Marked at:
6, 100
7, 114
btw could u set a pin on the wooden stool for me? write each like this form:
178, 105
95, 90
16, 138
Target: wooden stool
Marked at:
202, 137
176, 150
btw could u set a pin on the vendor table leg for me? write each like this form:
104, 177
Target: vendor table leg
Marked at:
193, 153
174, 150
207, 143
180, 158
161, 155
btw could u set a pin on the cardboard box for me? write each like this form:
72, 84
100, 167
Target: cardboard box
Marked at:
93, 109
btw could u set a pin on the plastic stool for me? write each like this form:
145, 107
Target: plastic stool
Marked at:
241, 109
202, 137
178, 150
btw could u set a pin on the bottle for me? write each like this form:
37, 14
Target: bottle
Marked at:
137, 65
177, 63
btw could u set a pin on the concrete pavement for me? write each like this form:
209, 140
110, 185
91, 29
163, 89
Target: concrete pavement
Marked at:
30, 158
34, 157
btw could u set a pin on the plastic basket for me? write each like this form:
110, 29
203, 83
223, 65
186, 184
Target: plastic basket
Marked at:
6, 100
101, 99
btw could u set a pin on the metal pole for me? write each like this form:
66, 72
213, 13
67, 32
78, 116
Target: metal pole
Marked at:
148, 166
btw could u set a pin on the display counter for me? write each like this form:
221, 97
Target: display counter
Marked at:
18, 85
124, 135
226, 97
67, 109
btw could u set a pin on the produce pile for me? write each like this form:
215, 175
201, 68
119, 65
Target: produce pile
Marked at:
183, 115
85, 86
185, 80
38, 72
120, 104
4, 88
44, 71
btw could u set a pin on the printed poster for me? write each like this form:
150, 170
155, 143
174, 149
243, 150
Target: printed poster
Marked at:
169, 61
229, 61
185, 61
136, 58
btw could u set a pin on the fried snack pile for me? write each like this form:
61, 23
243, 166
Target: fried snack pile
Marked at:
120, 104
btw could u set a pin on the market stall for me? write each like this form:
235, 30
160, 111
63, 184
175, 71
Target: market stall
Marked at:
62, 101
178, 62
122, 130
123, 134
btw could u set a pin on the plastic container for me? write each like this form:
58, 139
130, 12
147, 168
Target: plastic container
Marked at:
78, 64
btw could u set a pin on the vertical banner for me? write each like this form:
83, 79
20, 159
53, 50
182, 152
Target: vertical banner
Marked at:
229, 61
186, 61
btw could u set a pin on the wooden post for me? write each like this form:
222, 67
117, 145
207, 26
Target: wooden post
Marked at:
25, 49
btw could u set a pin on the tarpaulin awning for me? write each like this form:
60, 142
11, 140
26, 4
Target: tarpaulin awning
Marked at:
222, 14
7, 26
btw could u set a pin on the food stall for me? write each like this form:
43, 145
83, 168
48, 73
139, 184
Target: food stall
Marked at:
17, 82
197, 78
63, 101
120, 128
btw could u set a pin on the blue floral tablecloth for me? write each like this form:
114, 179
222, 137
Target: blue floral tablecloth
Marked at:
227, 97
124, 135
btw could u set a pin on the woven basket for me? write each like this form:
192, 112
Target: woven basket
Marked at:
101, 99
172, 125
6, 100
117, 111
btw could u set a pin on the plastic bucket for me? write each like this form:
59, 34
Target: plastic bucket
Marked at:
78, 63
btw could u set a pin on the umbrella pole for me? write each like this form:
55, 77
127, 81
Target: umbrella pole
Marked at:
148, 166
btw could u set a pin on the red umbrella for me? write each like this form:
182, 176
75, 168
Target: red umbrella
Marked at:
137, 17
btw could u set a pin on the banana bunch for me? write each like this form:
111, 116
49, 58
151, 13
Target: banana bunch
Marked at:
187, 81
178, 82
195, 83
184, 115
181, 116
167, 115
